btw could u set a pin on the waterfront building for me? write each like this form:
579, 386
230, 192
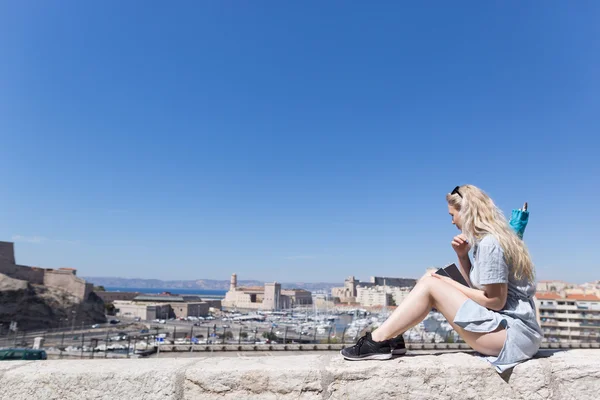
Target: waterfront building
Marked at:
378, 291
373, 296
162, 306
270, 297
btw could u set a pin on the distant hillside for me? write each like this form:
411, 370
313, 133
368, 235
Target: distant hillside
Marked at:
205, 284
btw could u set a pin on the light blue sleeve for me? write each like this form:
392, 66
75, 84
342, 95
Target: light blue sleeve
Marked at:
491, 263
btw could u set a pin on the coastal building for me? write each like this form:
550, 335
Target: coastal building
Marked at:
552, 286
270, 297
378, 291
369, 297
143, 311
569, 317
347, 293
373, 296
162, 306
586, 288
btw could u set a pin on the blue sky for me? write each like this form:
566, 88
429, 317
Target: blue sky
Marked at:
303, 141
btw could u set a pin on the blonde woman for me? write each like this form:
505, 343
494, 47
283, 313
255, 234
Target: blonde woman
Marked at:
495, 315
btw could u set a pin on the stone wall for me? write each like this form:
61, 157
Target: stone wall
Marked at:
7, 253
30, 274
571, 374
62, 278
66, 279
184, 310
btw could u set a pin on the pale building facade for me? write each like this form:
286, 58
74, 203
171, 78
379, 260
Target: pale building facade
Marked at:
347, 293
553, 286
381, 295
268, 298
143, 311
378, 291
569, 317
149, 307
373, 296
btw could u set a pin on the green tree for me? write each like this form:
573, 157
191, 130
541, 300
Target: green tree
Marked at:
244, 335
99, 288
228, 335
270, 336
110, 308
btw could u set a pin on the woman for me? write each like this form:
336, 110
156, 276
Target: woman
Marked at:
496, 315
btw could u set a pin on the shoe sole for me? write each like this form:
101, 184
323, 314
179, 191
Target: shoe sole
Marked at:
398, 352
385, 356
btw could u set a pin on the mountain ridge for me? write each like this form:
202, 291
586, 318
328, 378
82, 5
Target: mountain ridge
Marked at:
205, 284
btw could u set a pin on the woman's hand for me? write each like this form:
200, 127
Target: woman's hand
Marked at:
461, 246
443, 278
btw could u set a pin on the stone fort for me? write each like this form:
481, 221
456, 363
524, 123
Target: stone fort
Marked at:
62, 278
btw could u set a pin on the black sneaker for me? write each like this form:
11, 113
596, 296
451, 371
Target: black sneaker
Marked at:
367, 349
398, 346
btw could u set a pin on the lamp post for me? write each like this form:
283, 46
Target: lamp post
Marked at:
74, 313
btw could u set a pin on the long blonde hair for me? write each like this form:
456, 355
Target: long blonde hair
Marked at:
480, 216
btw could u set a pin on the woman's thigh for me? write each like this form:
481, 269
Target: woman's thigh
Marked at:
447, 299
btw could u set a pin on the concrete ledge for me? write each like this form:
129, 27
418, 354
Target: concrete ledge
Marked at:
336, 346
573, 374
297, 347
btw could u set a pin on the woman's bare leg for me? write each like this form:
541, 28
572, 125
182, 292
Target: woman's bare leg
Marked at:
432, 292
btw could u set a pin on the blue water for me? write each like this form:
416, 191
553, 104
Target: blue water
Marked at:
198, 292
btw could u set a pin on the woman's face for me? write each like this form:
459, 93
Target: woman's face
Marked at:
455, 217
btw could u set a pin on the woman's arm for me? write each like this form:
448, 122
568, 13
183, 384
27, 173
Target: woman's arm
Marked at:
493, 296
465, 267
462, 246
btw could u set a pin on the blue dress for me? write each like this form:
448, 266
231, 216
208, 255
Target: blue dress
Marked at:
518, 317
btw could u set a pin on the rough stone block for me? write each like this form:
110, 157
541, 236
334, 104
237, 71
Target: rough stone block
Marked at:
554, 374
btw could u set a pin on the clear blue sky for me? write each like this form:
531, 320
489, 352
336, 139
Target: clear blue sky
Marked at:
294, 142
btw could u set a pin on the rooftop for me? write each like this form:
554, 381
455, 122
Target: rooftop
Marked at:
548, 296
159, 298
583, 297
251, 289
558, 296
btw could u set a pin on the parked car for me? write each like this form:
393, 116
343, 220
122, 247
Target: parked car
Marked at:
114, 321
95, 326
22, 354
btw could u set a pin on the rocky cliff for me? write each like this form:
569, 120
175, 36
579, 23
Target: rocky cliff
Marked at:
40, 307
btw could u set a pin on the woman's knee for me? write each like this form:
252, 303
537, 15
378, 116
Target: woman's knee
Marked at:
427, 281
425, 275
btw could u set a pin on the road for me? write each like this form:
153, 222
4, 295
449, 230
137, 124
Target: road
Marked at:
145, 331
